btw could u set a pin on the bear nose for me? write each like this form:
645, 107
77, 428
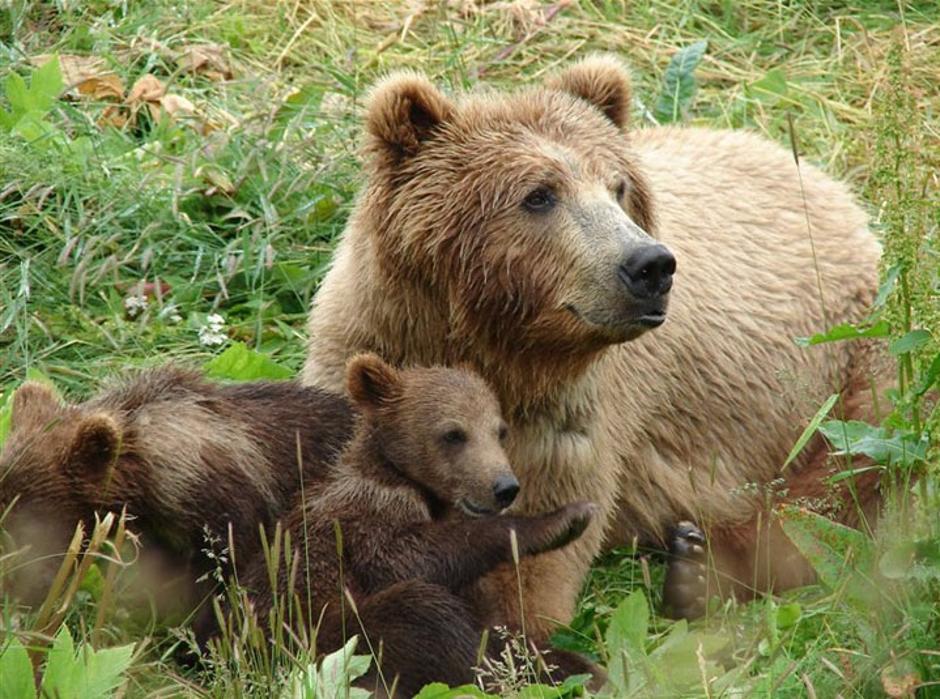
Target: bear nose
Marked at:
505, 490
648, 271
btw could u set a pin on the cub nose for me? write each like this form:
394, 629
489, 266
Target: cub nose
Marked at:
648, 271
505, 490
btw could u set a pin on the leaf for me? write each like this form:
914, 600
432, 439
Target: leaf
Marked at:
239, 363
913, 340
845, 331
209, 60
770, 88
929, 378
60, 669
628, 624
16, 672
439, 690
679, 83
888, 285
855, 438
87, 76
87, 673
788, 615
46, 85
18, 95
811, 428
835, 551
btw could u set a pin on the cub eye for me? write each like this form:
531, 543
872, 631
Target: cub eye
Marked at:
503, 433
454, 437
539, 200
621, 190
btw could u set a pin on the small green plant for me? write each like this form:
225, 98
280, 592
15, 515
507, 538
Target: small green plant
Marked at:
679, 84
30, 104
69, 670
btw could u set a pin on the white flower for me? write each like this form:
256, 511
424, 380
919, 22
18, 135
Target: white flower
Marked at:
212, 333
135, 304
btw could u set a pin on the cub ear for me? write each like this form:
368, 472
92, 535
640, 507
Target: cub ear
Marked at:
371, 382
95, 445
603, 81
403, 111
35, 403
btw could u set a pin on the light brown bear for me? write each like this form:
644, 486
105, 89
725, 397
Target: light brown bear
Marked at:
415, 494
530, 235
188, 458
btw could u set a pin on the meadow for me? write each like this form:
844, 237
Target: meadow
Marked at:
173, 176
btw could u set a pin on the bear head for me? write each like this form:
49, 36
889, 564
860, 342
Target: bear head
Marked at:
523, 216
56, 461
439, 427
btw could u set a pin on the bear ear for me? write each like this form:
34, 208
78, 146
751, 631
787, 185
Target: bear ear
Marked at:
403, 111
35, 403
371, 382
95, 445
602, 80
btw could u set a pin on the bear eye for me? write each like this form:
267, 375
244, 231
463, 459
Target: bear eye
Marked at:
454, 437
621, 190
503, 433
539, 200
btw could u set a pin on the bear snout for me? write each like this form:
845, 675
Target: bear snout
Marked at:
505, 489
647, 271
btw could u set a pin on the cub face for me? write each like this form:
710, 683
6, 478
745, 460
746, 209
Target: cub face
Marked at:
440, 427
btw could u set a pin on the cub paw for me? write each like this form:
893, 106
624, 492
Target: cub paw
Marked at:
686, 587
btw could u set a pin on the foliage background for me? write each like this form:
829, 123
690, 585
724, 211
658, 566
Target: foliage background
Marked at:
132, 213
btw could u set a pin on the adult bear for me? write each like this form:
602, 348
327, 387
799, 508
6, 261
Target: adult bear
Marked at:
526, 234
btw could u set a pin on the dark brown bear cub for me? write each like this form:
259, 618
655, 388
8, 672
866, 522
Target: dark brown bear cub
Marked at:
188, 458
415, 493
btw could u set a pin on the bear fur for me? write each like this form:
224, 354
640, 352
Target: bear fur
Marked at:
494, 228
188, 459
415, 496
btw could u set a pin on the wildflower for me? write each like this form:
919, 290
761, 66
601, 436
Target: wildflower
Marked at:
135, 304
212, 333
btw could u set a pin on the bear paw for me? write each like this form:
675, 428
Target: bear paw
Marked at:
686, 587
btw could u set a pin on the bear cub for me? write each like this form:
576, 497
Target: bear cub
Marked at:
415, 495
188, 458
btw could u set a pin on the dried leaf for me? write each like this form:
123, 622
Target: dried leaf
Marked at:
899, 680
209, 60
177, 106
87, 76
146, 92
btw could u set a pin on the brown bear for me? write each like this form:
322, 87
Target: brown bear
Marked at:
533, 236
414, 494
188, 459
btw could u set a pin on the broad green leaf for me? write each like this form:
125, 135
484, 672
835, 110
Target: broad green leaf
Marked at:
913, 340
677, 658
102, 671
811, 428
679, 83
7, 120
771, 88
18, 95
859, 438
16, 672
239, 363
788, 615
46, 84
836, 552
628, 624
61, 670
845, 331
439, 690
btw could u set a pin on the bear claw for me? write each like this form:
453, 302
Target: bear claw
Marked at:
685, 588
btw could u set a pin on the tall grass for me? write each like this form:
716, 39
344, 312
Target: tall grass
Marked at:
118, 243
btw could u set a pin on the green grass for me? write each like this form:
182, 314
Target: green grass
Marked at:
235, 209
